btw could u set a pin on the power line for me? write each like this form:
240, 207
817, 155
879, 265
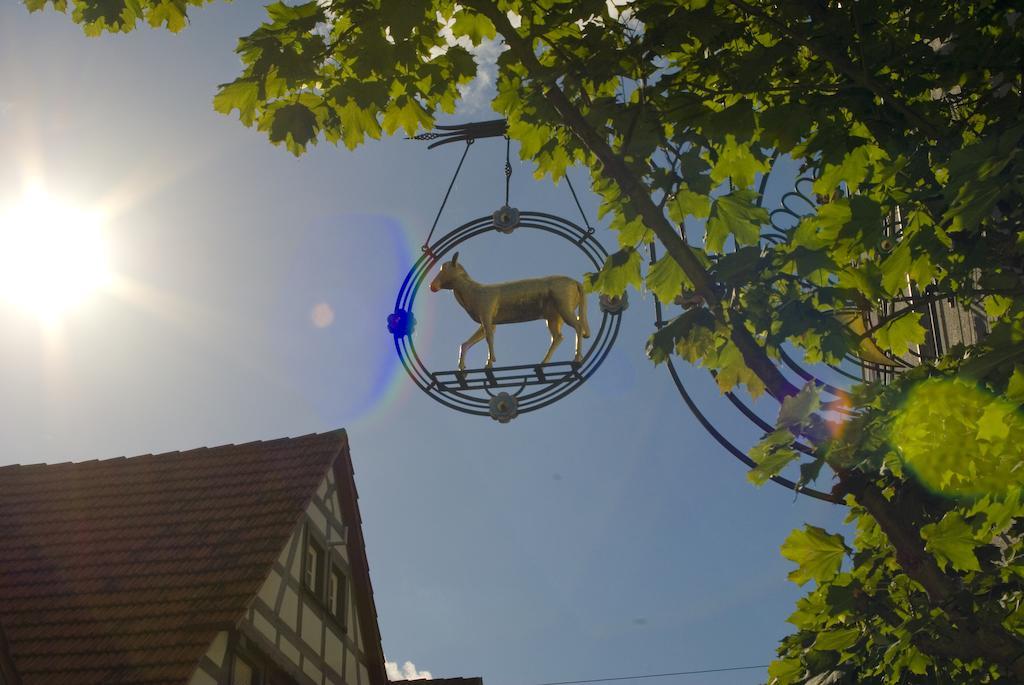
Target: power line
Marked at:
656, 675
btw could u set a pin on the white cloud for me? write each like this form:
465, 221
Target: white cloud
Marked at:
406, 672
478, 93
614, 5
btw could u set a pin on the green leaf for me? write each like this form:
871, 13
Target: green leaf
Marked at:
620, 270
952, 542
1015, 389
809, 471
974, 184
817, 553
785, 671
852, 170
892, 462
169, 14
365, 94
733, 370
686, 329
632, 231
796, 408
402, 16
997, 305
993, 425
240, 94
899, 334
772, 455
666, 279
295, 125
738, 215
738, 267
822, 228
837, 640
688, 203
406, 113
475, 26
356, 124
735, 121
784, 125
981, 365
738, 162
895, 269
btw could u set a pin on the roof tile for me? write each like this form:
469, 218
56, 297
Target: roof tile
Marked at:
121, 571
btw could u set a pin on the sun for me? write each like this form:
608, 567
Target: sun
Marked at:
53, 254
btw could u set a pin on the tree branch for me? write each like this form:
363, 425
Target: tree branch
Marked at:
991, 641
840, 63
975, 638
616, 169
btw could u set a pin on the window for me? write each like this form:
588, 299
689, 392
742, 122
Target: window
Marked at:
323, 578
313, 571
336, 594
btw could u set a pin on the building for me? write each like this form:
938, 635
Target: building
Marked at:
946, 322
240, 565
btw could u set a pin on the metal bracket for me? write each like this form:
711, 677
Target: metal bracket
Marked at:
464, 132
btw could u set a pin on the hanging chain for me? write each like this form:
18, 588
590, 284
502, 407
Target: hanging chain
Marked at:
508, 182
508, 167
426, 243
590, 229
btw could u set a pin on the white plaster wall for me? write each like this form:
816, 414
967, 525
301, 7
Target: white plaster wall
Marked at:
216, 653
283, 617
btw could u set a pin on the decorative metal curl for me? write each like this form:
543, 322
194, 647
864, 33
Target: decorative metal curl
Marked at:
505, 218
503, 407
532, 386
776, 234
614, 304
401, 323
464, 132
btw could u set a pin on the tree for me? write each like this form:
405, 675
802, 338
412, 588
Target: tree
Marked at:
908, 117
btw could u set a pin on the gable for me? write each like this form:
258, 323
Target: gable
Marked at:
294, 624
125, 570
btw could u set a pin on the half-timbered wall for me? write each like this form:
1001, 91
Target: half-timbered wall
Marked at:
291, 624
946, 322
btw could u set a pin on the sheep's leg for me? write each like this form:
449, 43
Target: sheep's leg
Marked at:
488, 331
565, 310
555, 327
487, 324
464, 347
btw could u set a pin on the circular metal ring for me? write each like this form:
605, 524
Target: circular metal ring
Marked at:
533, 385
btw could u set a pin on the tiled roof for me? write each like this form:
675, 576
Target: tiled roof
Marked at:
122, 570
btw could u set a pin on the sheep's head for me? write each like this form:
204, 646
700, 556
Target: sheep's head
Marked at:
448, 275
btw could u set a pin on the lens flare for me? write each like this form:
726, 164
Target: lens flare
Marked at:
960, 440
345, 271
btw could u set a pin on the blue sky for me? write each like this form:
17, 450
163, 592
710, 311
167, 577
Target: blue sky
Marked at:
606, 535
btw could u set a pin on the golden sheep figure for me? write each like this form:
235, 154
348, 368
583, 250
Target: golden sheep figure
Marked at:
553, 298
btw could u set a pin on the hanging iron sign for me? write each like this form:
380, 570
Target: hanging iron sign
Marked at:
504, 392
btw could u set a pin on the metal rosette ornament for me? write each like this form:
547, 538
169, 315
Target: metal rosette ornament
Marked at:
502, 392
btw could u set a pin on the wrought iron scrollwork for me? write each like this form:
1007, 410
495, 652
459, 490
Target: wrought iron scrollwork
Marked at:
443, 135
499, 392
532, 386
